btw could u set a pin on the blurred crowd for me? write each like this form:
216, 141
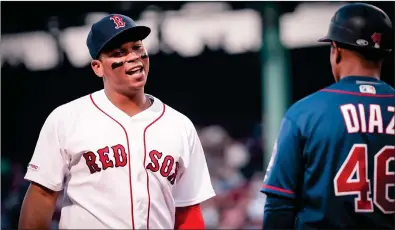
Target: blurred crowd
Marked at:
236, 173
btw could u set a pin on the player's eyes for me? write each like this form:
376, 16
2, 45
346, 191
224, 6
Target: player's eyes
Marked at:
137, 47
117, 53
123, 52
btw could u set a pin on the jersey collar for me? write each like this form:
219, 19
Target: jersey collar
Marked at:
359, 79
107, 106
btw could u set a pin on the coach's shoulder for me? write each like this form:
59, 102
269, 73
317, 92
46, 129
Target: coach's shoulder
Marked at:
307, 105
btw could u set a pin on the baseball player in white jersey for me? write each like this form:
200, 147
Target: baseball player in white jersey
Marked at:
123, 158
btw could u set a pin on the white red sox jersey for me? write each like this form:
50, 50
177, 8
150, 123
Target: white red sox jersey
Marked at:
117, 171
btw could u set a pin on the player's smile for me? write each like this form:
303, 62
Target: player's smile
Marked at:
135, 73
134, 69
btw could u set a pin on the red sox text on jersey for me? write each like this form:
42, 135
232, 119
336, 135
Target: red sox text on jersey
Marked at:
120, 160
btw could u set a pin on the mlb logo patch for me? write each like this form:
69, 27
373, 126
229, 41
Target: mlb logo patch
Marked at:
367, 89
33, 167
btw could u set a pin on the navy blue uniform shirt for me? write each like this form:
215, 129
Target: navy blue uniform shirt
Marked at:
335, 157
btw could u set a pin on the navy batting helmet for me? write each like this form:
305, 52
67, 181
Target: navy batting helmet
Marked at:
362, 26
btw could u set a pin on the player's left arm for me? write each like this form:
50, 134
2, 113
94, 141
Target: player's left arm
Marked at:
193, 186
189, 217
282, 178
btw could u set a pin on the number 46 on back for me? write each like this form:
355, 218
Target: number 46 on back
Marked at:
356, 162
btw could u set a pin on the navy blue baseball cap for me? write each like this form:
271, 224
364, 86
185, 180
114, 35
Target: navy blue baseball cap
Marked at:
115, 27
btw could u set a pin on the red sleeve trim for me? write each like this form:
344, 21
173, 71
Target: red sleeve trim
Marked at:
277, 189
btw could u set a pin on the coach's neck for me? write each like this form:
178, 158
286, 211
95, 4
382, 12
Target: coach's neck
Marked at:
359, 67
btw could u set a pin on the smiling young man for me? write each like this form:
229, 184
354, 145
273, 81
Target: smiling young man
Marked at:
124, 159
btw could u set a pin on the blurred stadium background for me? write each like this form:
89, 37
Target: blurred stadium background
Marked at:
232, 67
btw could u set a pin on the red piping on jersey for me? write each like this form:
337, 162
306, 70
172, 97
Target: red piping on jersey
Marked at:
357, 94
277, 189
127, 142
145, 156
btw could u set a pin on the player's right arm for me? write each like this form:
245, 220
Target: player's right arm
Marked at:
37, 208
282, 178
46, 172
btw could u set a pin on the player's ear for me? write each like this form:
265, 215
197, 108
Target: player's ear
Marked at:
338, 55
337, 52
97, 67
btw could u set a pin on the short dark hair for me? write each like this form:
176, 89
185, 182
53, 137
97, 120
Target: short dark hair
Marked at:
373, 55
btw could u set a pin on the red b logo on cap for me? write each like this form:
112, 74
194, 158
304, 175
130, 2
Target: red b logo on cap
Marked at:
118, 21
376, 38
